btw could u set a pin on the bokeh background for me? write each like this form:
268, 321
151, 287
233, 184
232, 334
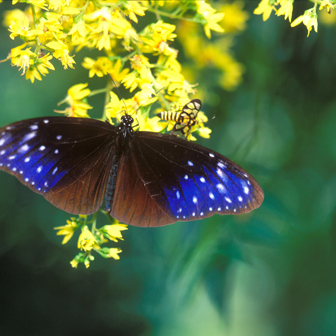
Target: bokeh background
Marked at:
268, 273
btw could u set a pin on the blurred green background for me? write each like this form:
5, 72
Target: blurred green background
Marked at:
268, 273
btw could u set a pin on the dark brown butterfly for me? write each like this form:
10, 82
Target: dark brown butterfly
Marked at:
147, 179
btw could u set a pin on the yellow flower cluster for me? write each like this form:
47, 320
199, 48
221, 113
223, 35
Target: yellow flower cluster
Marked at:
144, 61
91, 240
285, 8
218, 54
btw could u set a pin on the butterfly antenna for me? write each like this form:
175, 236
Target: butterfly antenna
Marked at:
119, 94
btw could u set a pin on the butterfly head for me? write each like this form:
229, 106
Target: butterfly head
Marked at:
126, 124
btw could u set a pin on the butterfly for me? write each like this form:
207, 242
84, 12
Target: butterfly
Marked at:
147, 179
186, 118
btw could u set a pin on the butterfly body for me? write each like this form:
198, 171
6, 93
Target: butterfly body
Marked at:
146, 178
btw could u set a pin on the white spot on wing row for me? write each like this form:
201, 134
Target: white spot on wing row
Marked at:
2, 141
23, 148
221, 165
221, 188
28, 136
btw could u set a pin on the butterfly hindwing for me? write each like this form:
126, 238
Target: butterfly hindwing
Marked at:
53, 154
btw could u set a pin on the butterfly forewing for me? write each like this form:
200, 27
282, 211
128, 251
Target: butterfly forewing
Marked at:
196, 181
58, 153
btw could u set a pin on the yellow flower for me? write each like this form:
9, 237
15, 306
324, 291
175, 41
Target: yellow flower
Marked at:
149, 124
155, 37
76, 95
32, 73
134, 7
86, 240
19, 28
174, 83
211, 18
326, 4
78, 32
39, 3
113, 232
113, 253
103, 66
43, 64
116, 108
116, 71
22, 58
58, 4
265, 8
144, 97
13, 15
31, 65
77, 92
235, 17
61, 52
204, 132
100, 67
110, 252
286, 9
141, 75
108, 22
130, 36
67, 230
87, 263
103, 13
309, 19
74, 262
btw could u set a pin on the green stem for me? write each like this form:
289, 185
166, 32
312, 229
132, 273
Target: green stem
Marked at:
126, 58
37, 49
94, 222
80, 15
170, 15
95, 92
